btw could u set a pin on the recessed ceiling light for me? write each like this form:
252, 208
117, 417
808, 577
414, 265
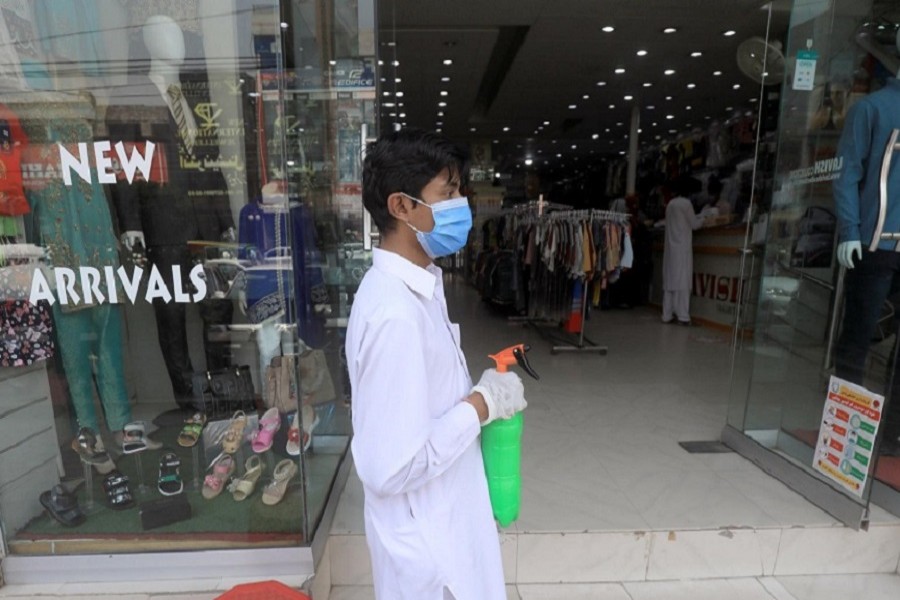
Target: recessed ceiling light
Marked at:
472, 129
396, 63
402, 115
440, 113
573, 106
729, 33
669, 30
688, 107
650, 107
736, 86
495, 141
445, 93
648, 84
384, 79
442, 104
729, 108
691, 86
601, 83
606, 130
439, 123
448, 62
585, 96
668, 97
559, 156
619, 71
669, 72
629, 97
506, 129
595, 136
619, 124
385, 93
673, 131
609, 29
717, 73
754, 99
528, 162
380, 63
642, 53
574, 146
612, 106
399, 94
397, 80
546, 123
670, 117
445, 79
696, 54
388, 104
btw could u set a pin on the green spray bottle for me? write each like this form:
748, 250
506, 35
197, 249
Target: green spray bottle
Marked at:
501, 446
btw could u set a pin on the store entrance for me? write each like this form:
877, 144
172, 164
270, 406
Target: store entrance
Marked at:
584, 124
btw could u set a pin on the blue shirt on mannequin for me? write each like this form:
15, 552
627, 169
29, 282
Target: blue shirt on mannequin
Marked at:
867, 130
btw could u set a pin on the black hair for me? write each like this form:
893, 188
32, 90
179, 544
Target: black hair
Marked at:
406, 161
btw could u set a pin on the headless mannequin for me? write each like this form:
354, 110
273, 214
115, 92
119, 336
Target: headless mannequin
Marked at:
873, 277
852, 249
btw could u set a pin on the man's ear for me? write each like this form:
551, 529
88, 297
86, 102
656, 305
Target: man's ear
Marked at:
398, 206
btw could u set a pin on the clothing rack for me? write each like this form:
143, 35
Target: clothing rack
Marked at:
584, 344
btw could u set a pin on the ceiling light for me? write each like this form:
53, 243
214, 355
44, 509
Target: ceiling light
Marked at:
438, 130
495, 141
642, 53
383, 79
668, 97
445, 79
691, 86
442, 104
438, 123
574, 146
673, 131
696, 54
472, 129
332, 62
609, 29
397, 80
650, 107
528, 162
729, 33
729, 108
573, 106
619, 71
619, 124
670, 117
388, 104
402, 115
612, 106
445, 93
688, 107
595, 136
399, 94
546, 122
717, 73
754, 99
381, 63
385, 93
448, 62
736, 86
506, 129
606, 130
648, 84
669, 30
396, 63
585, 96
669, 72
601, 83
629, 97
559, 156
284, 25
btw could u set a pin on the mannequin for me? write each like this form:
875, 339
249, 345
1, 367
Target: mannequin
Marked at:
873, 277
190, 204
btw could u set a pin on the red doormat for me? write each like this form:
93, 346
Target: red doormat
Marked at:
263, 590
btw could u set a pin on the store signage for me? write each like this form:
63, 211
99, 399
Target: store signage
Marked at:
101, 288
827, 169
805, 70
81, 164
716, 287
846, 442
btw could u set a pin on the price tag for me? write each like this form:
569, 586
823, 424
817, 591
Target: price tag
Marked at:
805, 72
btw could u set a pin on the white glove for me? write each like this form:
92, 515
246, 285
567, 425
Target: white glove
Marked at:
503, 393
846, 251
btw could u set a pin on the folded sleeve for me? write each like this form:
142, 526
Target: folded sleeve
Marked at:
853, 148
398, 446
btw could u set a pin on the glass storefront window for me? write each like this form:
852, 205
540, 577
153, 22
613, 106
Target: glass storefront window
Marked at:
810, 322
180, 240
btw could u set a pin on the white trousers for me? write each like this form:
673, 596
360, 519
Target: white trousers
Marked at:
677, 303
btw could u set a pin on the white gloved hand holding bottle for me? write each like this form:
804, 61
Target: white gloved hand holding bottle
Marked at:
503, 394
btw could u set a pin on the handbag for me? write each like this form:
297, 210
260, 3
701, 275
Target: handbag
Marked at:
224, 391
281, 391
316, 384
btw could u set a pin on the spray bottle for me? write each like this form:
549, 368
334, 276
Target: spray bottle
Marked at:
501, 446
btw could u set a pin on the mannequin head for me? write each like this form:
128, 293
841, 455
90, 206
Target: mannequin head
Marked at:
165, 42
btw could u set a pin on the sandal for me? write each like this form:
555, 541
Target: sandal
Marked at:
134, 439
243, 486
169, 483
85, 444
268, 425
310, 422
293, 442
275, 489
193, 428
214, 483
234, 435
118, 494
62, 506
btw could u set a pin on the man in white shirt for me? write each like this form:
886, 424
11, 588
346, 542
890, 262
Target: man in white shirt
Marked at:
416, 416
678, 257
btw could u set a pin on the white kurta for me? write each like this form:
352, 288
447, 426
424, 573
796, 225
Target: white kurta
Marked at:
429, 524
678, 258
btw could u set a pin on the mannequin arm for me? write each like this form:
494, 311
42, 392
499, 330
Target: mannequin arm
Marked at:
846, 251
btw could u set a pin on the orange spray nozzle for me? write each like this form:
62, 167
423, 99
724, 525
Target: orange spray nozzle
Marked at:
514, 355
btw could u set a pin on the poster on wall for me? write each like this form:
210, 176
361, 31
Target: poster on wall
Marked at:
846, 442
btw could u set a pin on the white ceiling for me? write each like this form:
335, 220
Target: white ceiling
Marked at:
564, 53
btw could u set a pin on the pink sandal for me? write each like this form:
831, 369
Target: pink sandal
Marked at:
268, 425
222, 470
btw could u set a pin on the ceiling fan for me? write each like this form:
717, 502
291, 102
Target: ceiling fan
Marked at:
761, 61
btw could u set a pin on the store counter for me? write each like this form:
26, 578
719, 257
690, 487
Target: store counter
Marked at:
717, 281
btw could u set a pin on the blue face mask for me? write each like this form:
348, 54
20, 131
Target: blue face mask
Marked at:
452, 222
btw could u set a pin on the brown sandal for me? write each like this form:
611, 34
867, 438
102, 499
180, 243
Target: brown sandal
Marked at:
234, 435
